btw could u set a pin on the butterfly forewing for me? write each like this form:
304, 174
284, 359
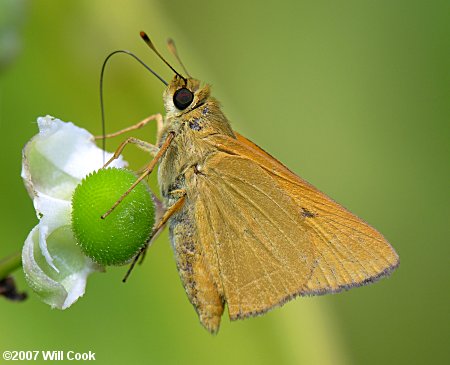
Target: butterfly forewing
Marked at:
272, 236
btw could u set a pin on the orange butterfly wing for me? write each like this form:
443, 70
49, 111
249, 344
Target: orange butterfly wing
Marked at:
272, 236
365, 244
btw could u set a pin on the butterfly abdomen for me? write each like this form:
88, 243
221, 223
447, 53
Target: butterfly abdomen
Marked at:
193, 269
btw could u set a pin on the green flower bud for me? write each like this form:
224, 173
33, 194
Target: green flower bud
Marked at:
116, 239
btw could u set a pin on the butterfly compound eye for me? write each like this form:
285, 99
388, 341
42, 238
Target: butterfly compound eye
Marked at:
183, 98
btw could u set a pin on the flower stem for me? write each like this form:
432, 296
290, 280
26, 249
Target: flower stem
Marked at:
9, 264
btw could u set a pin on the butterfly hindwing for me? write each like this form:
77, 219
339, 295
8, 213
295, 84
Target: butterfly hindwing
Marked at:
253, 235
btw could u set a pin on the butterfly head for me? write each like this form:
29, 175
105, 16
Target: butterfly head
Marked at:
182, 95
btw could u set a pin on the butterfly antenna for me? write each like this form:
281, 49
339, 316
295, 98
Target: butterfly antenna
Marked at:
149, 43
173, 50
102, 106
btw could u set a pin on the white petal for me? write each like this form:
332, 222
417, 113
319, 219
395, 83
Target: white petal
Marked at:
70, 148
50, 291
58, 289
77, 284
56, 159
54, 213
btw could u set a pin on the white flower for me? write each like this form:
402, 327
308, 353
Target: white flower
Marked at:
53, 164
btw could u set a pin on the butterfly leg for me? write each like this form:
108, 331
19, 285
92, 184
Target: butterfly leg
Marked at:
148, 147
147, 171
178, 194
175, 207
159, 126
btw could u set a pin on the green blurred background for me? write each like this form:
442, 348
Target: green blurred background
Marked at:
351, 95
